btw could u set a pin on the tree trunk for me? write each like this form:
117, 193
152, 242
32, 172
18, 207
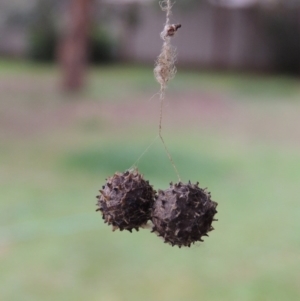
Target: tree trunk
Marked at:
73, 46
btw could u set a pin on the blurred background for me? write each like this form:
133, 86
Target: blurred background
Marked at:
78, 102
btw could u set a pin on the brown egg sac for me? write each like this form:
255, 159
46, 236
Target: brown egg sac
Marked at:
126, 200
183, 214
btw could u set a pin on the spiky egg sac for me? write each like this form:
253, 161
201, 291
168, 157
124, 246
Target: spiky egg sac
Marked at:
126, 200
183, 214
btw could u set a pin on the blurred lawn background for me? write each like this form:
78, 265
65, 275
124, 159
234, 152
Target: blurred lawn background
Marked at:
236, 134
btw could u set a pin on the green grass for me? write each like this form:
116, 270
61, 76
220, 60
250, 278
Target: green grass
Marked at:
235, 134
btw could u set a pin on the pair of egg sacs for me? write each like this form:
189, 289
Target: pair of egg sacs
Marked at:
181, 214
